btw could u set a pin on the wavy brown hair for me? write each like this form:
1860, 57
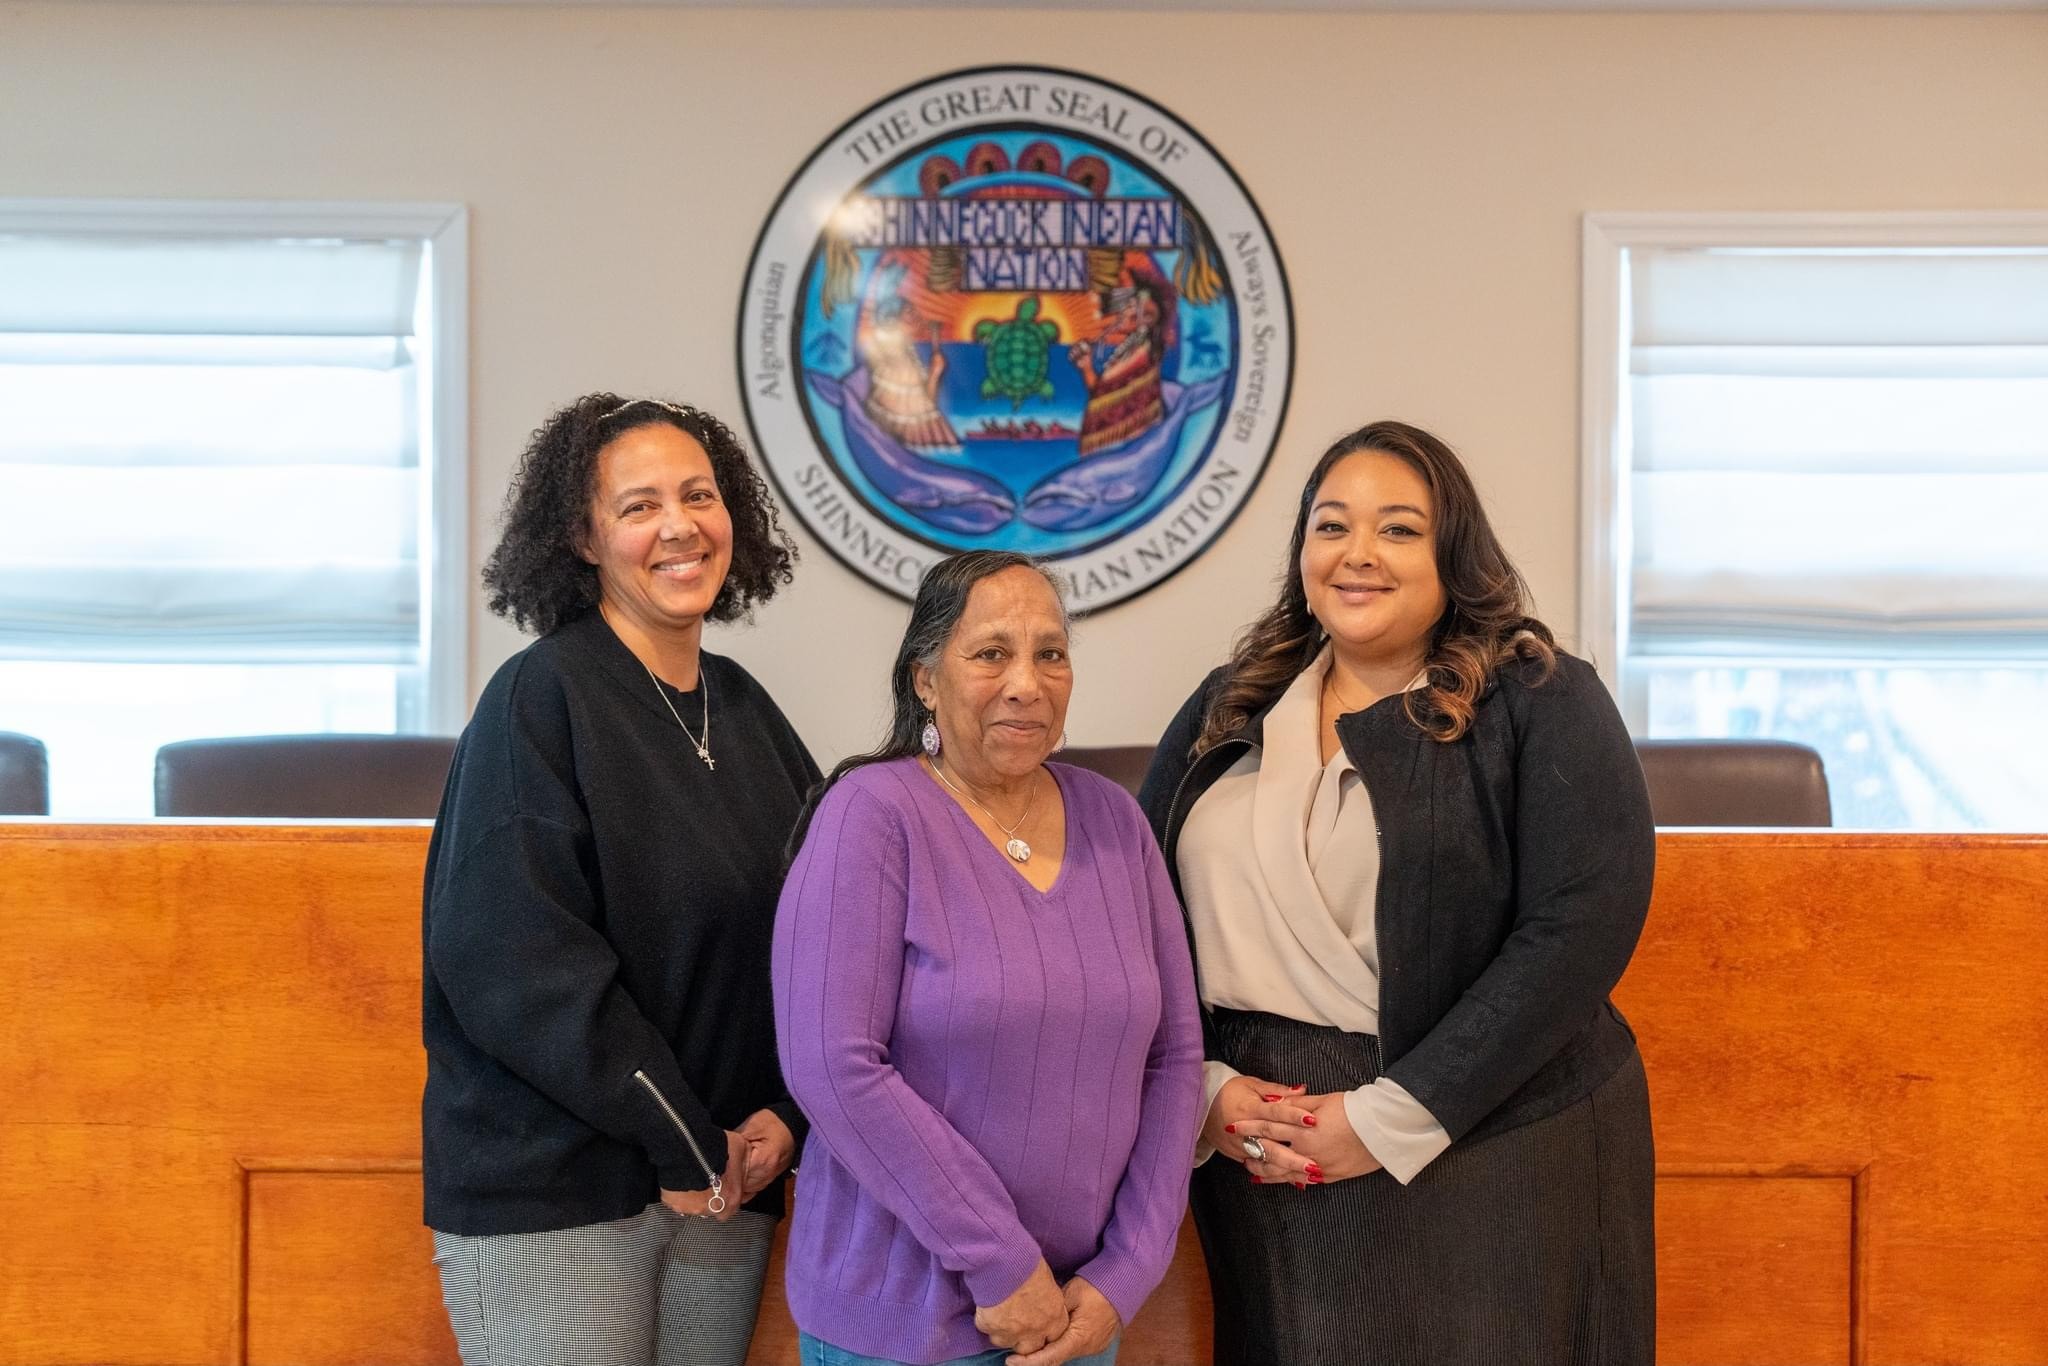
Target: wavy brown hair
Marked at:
1486, 621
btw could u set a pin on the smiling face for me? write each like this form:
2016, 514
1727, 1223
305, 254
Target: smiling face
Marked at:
1368, 560
658, 530
1001, 682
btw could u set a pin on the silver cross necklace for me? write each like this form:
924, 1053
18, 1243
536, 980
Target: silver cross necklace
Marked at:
704, 744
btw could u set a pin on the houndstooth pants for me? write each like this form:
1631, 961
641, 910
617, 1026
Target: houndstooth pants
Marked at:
657, 1289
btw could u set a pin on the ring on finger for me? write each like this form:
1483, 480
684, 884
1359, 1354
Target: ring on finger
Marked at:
1254, 1149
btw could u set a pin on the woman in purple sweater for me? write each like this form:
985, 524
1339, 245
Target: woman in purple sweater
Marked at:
984, 1003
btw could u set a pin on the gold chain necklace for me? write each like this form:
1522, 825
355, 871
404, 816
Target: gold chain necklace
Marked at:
1330, 683
1017, 849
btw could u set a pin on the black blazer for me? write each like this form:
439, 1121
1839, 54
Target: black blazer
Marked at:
1515, 877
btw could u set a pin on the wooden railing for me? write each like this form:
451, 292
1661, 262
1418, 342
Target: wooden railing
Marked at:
210, 1073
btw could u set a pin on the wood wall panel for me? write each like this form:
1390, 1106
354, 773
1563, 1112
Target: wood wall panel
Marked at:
181, 999
1872, 1003
333, 1257
1779, 1246
210, 1063
1174, 1328
117, 1241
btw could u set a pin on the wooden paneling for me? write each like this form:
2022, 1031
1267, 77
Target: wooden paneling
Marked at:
1867, 1004
180, 1000
1780, 1245
334, 1253
210, 1068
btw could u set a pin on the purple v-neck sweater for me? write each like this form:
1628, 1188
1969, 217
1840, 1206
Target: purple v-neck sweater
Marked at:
993, 1074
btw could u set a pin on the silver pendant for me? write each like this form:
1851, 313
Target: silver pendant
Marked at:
1018, 850
704, 753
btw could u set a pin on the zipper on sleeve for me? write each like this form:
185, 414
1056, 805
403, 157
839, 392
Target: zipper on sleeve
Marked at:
716, 1204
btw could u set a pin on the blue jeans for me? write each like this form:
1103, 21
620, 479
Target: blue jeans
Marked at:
816, 1353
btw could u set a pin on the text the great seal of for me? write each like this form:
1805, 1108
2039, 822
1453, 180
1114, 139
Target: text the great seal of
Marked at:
1016, 308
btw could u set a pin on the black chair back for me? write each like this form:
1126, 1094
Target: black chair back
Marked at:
305, 777
1735, 782
1692, 782
1124, 765
24, 775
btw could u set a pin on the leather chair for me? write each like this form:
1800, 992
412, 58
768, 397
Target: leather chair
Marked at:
305, 777
24, 776
1734, 782
1124, 765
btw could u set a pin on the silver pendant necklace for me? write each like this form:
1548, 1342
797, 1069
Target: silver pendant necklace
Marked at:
703, 681
1017, 849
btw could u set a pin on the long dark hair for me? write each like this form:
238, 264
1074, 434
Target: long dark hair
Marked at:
537, 579
1485, 623
941, 602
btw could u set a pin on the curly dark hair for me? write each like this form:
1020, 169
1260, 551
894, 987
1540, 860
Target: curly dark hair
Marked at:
1485, 624
537, 577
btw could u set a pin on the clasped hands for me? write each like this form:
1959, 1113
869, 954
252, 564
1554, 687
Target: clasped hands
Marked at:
1043, 1323
1308, 1139
757, 1152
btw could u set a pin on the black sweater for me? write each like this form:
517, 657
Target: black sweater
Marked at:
599, 903
1515, 878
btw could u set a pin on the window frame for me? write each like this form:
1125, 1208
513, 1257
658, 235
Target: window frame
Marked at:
443, 701
1606, 551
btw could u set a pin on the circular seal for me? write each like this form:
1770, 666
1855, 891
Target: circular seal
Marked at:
1016, 308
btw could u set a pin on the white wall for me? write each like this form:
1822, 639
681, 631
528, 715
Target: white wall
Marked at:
1422, 174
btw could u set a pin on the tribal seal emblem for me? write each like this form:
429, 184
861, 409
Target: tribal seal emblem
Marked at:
1016, 308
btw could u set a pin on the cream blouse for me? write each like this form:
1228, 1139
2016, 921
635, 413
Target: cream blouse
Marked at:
1284, 921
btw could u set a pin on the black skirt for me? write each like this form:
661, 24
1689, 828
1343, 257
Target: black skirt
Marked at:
1531, 1247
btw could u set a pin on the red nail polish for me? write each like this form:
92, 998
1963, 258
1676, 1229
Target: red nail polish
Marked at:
1299, 1186
1258, 1181
1309, 1121
1270, 1099
1315, 1171
1230, 1128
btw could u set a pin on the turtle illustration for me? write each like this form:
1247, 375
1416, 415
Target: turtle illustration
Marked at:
1018, 354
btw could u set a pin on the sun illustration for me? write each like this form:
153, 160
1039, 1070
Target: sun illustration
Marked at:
1076, 315
956, 312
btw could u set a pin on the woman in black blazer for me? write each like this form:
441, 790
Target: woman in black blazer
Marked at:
1416, 852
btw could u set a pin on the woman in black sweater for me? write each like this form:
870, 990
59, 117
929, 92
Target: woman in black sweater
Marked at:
605, 1127
1415, 850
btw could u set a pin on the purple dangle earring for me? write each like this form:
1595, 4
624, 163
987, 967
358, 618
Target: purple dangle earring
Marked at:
930, 738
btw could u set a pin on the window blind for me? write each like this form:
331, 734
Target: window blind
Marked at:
210, 449
1839, 454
